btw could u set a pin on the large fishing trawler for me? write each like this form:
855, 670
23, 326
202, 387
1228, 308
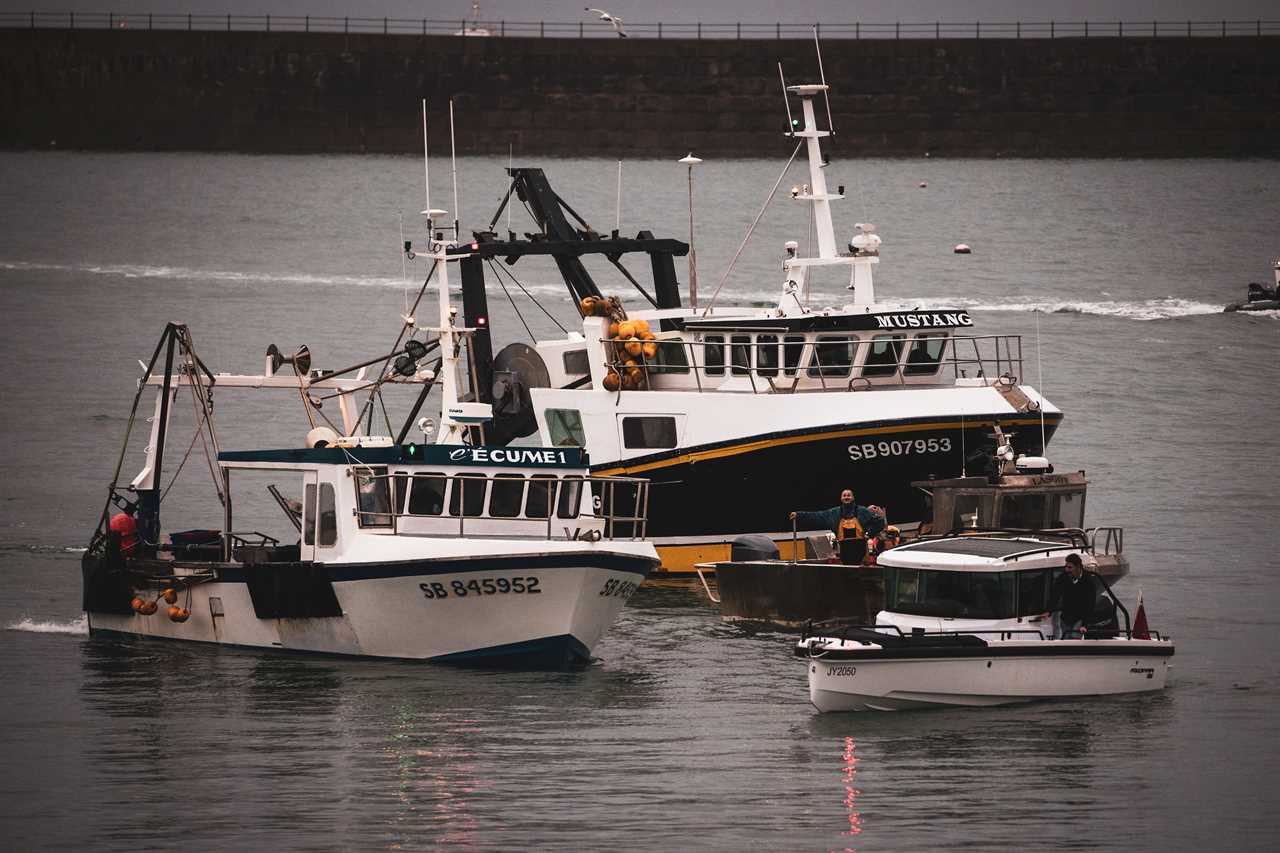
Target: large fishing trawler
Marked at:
737, 415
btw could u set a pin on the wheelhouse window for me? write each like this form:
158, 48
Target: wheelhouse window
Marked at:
972, 511
741, 354
713, 354
565, 426
883, 355
964, 595
670, 358
792, 352
1026, 512
427, 497
328, 516
506, 495
570, 502
373, 497
467, 494
833, 356
767, 355
309, 514
925, 356
654, 433
576, 362
1066, 510
1033, 591
542, 495
400, 492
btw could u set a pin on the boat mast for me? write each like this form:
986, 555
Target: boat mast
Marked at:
817, 195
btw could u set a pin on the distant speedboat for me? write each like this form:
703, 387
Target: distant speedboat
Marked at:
964, 625
1261, 298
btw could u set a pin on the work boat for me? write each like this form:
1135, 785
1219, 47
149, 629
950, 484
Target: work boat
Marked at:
1015, 496
738, 416
450, 552
964, 624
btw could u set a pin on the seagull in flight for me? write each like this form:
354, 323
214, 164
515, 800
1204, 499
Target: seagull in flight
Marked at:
610, 19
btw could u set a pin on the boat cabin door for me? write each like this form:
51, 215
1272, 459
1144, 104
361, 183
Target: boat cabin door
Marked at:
309, 515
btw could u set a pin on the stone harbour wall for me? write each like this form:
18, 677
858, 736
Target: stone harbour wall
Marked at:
324, 92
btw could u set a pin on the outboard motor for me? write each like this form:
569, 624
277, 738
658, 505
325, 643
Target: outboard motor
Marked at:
753, 546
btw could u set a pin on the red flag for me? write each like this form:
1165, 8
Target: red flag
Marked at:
1140, 630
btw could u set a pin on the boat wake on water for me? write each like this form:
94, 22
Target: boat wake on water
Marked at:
189, 274
1166, 308
78, 627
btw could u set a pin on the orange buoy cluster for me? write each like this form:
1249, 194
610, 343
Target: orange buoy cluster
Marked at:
632, 341
147, 606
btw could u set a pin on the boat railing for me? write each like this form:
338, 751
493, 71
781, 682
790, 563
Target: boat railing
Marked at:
621, 504
1112, 540
866, 633
829, 363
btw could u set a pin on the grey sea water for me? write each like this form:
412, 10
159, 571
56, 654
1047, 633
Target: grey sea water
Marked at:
688, 732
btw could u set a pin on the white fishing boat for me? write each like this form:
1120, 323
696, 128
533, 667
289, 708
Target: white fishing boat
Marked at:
965, 624
739, 415
446, 552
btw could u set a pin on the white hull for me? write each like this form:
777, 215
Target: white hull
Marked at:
558, 617
1003, 677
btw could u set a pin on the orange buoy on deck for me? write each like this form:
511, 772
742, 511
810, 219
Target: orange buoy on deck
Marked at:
179, 614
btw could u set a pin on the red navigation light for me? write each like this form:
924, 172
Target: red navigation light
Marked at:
475, 246
481, 321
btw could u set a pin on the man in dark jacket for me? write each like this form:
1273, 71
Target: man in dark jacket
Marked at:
852, 525
1074, 597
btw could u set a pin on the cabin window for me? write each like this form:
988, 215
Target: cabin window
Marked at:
964, 595
1025, 512
833, 356
468, 492
373, 497
792, 351
649, 432
1066, 510
740, 352
972, 511
883, 355
542, 495
400, 492
565, 426
713, 355
570, 502
767, 355
1033, 591
328, 516
671, 358
427, 497
925, 356
506, 495
576, 363
309, 514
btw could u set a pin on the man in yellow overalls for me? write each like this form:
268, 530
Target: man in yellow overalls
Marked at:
851, 524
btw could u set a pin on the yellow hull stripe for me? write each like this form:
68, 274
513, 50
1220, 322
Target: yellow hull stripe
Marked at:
765, 443
682, 559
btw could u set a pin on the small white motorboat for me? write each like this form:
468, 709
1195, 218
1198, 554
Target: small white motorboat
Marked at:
965, 624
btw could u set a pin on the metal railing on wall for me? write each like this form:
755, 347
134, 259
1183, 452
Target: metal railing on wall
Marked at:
595, 29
